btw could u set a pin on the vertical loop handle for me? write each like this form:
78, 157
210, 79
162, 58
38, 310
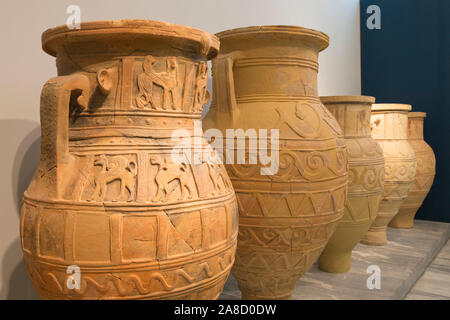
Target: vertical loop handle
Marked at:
224, 93
55, 100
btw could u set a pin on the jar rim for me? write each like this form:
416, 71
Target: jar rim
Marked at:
391, 107
417, 114
206, 43
293, 31
348, 99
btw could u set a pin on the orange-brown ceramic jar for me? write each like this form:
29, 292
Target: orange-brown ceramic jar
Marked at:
108, 199
390, 129
365, 180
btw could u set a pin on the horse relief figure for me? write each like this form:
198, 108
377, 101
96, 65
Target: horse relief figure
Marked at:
115, 168
201, 94
167, 80
167, 173
218, 177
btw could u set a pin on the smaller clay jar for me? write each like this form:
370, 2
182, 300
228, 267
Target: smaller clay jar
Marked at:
426, 169
389, 123
366, 179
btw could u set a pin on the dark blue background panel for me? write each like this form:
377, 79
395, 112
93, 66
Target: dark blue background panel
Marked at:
407, 60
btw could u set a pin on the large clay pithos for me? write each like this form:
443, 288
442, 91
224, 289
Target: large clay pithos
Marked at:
109, 213
366, 179
389, 124
266, 78
426, 169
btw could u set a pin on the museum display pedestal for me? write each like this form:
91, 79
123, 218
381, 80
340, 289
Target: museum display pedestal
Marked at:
402, 262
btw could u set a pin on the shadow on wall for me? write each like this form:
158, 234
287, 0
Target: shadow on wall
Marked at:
16, 283
20, 140
25, 164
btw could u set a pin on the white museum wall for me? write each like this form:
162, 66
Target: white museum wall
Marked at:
25, 68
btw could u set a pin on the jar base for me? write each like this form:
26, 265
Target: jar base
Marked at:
335, 262
375, 237
404, 219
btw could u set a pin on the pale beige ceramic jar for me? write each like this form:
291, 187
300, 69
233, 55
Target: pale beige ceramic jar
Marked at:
366, 179
426, 169
389, 124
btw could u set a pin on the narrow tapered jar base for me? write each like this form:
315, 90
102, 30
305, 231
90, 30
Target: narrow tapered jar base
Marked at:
335, 262
404, 218
375, 237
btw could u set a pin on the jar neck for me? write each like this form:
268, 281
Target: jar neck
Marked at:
415, 128
136, 89
266, 70
353, 118
389, 125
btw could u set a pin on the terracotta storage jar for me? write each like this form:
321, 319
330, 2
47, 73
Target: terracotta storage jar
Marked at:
390, 129
426, 169
108, 199
266, 78
365, 175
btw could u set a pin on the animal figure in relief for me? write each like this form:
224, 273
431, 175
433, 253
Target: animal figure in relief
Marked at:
201, 94
167, 80
167, 173
115, 168
218, 178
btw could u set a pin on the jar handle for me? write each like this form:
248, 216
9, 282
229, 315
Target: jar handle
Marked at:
55, 100
224, 92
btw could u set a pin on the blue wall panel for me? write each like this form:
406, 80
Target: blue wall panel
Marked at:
408, 61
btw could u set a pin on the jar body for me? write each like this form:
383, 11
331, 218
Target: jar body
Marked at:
116, 217
286, 216
426, 170
389, 129
366, 180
